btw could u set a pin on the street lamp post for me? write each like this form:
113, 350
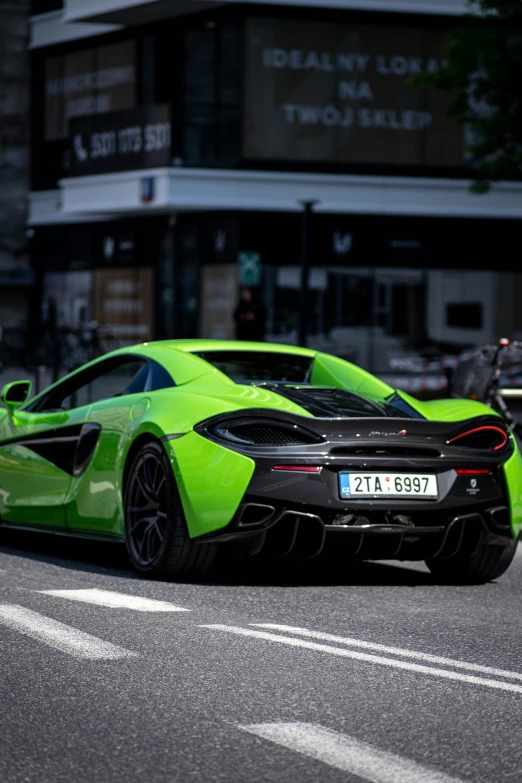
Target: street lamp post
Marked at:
305, 268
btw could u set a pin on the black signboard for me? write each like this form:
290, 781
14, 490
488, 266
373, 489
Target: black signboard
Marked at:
137, 138
341, 93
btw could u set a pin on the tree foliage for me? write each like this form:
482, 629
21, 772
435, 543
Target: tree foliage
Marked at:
483, 77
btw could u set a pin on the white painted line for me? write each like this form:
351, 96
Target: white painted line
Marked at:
115, 600
329, 637
360, 656
61, 637
347, 754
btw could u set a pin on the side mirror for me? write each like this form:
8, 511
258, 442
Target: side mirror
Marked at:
14, 394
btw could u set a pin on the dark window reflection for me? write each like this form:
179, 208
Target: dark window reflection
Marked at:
466, 315
211, 95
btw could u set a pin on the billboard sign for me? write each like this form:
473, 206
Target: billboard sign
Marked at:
341, 93
137, 138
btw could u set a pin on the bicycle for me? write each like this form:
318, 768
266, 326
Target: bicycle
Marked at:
477, 377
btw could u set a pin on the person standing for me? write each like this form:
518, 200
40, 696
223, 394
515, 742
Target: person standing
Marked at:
250, 316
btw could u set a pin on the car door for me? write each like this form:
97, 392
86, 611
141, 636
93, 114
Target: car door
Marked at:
36, 452
94, 503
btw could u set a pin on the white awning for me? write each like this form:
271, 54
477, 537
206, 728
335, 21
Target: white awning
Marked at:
131, 12
106, 196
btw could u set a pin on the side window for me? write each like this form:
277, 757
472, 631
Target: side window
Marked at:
158, 378
111, 378
127, 378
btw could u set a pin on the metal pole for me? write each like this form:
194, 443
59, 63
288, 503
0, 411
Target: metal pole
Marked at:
305, 268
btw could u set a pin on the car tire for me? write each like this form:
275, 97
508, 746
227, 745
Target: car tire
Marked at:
156, 533
489, 561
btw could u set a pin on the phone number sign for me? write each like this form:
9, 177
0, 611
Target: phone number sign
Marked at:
137, 138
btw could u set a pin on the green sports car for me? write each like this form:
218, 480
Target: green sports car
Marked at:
177, 447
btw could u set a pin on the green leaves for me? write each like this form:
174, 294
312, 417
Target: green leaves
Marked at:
483, 78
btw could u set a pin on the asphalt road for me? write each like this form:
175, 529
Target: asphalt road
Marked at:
368, 673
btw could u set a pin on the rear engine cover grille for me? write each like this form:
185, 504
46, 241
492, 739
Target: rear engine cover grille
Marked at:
266, 435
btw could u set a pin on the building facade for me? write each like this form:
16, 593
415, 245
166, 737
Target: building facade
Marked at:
175, 143
16, 278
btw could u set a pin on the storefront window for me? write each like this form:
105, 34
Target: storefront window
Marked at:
123, 302
211, 95
374, 315
87, 82
67, 298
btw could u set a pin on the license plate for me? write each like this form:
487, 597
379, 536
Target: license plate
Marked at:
388, 485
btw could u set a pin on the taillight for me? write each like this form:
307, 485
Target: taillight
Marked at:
485, 437
472, 472
298, 468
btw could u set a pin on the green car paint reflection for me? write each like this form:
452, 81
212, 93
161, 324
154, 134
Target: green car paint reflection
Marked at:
69, 455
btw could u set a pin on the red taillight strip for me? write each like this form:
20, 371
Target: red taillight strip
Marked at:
471, 472
481, 429
298, 468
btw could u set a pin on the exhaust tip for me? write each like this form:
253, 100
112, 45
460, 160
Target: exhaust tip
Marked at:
255, 514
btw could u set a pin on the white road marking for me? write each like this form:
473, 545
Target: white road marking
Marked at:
329, 637
115, 600
361, 656
61, 637
347, 754
404, 565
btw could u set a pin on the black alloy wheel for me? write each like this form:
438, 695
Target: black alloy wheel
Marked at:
156, 532
146, 508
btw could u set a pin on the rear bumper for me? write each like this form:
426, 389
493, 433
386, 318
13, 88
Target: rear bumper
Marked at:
294, 513
303, 535
319, 492
305, 502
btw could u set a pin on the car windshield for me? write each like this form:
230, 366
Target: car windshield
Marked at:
251, 366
